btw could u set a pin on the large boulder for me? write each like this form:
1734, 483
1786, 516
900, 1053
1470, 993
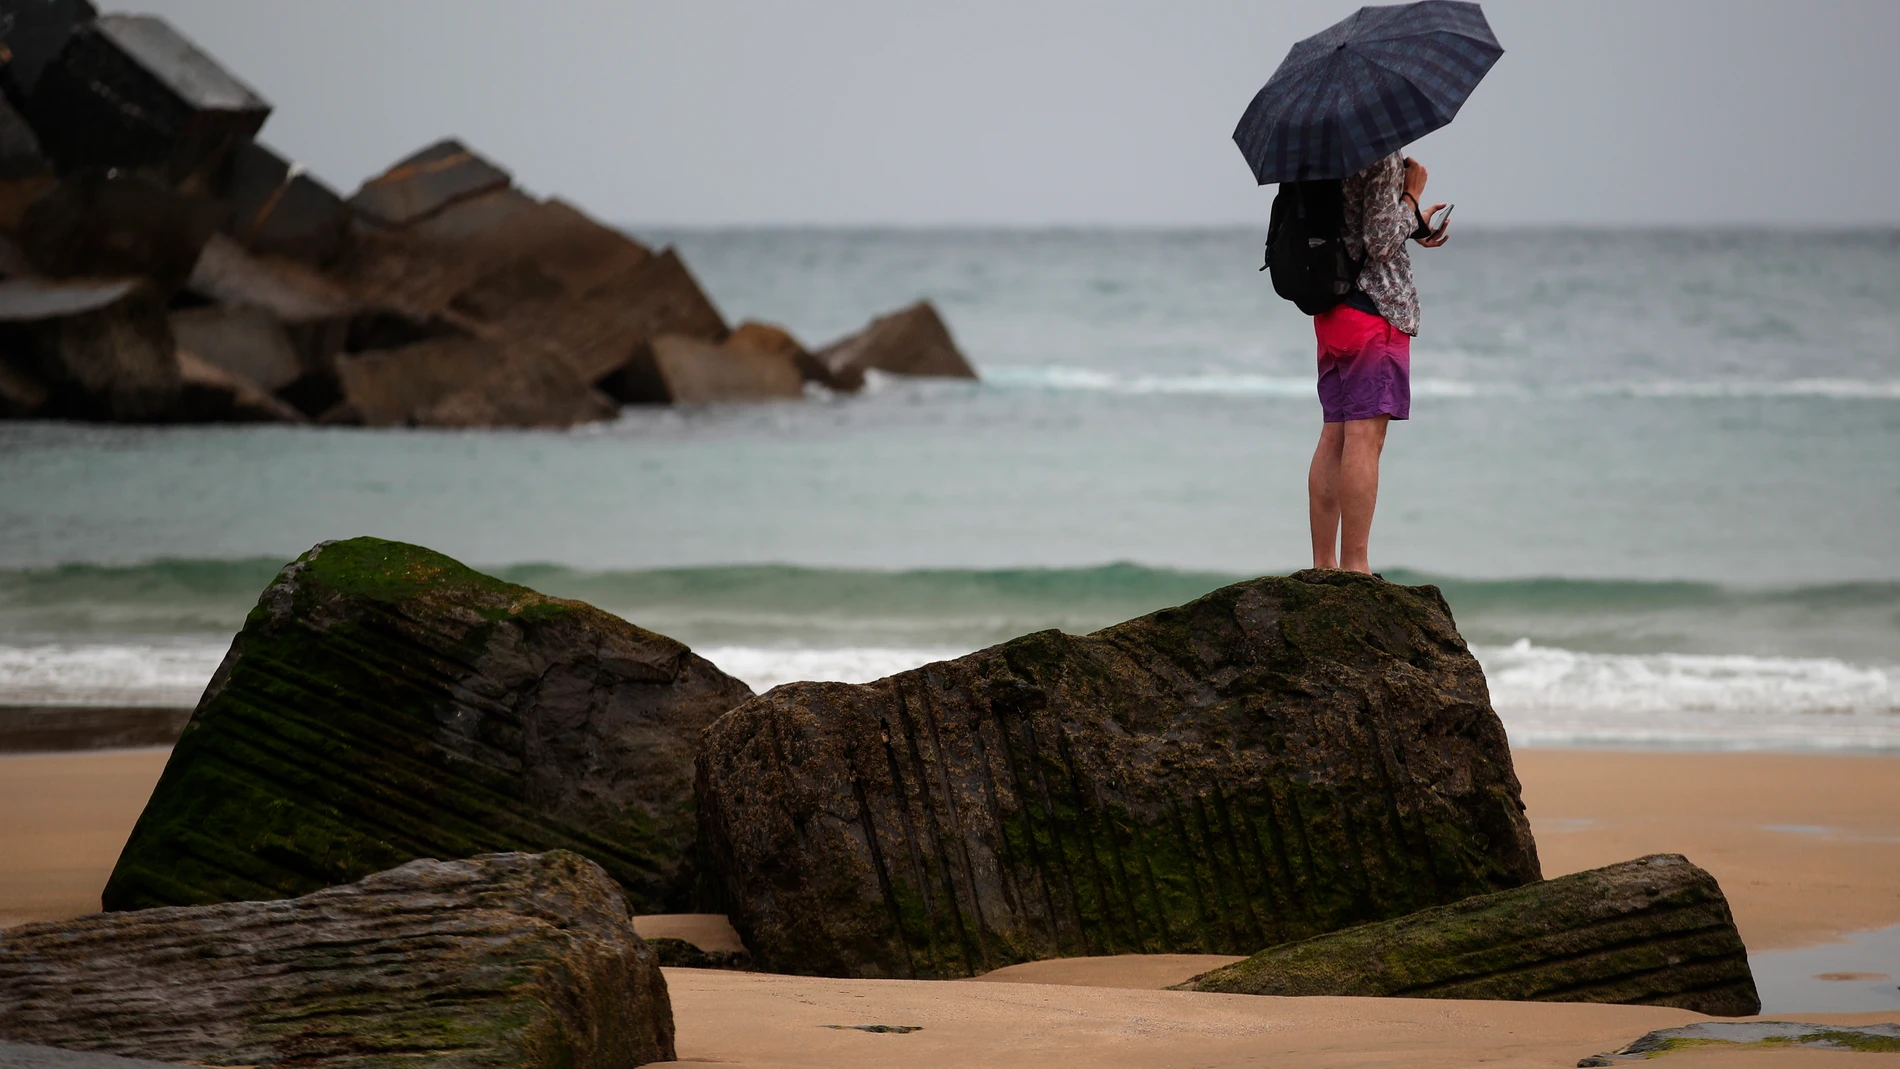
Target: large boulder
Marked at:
1281, 758
910, 341
510, 961
1655, 931
385, 703
97, 349
129, 92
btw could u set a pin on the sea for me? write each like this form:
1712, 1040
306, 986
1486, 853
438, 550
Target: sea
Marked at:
1656, 474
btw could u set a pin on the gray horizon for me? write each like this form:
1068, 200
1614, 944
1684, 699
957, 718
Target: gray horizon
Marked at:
1066, 114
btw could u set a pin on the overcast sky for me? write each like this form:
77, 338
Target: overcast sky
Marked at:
1053, 112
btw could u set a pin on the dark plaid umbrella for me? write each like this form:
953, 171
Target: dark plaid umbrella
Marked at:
1365, 88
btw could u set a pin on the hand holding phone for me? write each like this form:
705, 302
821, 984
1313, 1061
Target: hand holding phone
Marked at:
1439, 234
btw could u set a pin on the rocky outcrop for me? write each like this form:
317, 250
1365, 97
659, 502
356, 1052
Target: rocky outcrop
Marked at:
385, 703
912, 341
1655, 931
128, 153
504, 961
1281, 758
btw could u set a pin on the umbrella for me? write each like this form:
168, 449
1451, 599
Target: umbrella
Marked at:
1364, 88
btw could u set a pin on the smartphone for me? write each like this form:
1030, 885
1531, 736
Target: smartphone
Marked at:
1444, 220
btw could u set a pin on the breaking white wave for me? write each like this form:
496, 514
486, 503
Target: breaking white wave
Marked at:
163, 674
1545, 695
1556, 697
1061, 379
763, 668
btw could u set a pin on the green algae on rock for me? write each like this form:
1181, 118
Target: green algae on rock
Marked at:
384, 703
1755, 1035
502, 961
1281, 758
1655, 931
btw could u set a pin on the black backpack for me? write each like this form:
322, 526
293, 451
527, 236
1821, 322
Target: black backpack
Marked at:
1306, 245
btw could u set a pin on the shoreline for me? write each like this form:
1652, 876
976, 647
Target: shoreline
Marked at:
1807, 848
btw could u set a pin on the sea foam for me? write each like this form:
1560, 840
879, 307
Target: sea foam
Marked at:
1546, 696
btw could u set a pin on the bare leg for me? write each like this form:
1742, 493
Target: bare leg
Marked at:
1322, 495
1359, 489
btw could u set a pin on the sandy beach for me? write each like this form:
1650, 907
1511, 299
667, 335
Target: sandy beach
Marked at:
1807, 849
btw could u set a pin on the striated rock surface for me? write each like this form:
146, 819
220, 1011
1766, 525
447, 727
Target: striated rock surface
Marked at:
1281, 758
911, 341
505, 960
1655, 931
385, 703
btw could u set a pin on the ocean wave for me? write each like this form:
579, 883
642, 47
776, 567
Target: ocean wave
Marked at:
783, 605
1067, 379
170, 674
1553, 696
1546, 696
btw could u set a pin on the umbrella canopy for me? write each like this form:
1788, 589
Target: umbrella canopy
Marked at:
1364, 88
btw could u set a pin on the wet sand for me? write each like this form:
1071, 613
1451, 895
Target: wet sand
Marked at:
1806, 848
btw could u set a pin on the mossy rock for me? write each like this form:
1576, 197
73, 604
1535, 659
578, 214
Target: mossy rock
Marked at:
505, 961
385, 703
1655, 931
1283, 757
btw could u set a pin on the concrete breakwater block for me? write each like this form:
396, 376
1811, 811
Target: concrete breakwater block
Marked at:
385, 703
129, 91
910, 341
1283, 757
504, 960
1655, 931
33, 32
86, 348
425, 183
96, 224
697, 372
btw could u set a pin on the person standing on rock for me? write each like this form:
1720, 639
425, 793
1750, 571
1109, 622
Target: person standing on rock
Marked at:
1329, 128
1365, 355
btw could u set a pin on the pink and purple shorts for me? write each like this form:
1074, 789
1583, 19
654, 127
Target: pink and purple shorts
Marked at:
1365, 366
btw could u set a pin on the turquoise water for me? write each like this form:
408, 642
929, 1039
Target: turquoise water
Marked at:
1657, 473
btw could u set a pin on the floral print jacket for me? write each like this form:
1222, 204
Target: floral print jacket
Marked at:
1378, 221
